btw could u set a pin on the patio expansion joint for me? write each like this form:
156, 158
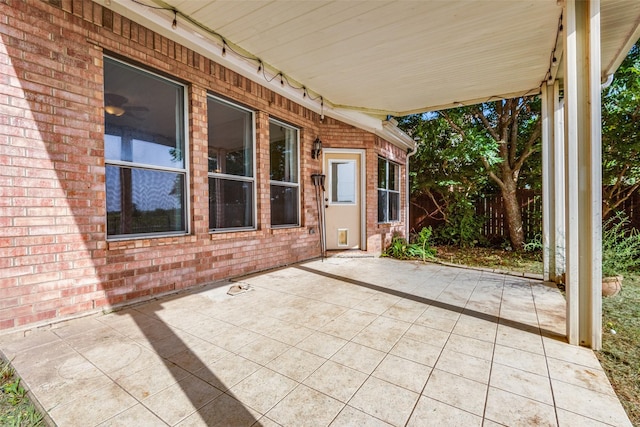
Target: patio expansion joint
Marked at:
525, 275
546, 360
493, 352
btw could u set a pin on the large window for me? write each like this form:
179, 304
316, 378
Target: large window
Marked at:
144, 146
231, 174
285, 191
388, 191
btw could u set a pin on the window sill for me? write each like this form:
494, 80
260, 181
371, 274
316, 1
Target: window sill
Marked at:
231, 230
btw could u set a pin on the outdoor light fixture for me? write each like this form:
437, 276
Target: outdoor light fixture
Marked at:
317, 148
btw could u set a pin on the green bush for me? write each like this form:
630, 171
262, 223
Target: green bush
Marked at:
620, 246
463, 227
420, 248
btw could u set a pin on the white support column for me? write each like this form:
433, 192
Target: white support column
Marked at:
552, 183
583, 173
548, 199
559, 185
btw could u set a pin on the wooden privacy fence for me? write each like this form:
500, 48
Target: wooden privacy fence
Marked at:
495, 227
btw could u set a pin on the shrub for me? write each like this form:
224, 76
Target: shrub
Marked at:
620, 246
419, 249
463, 226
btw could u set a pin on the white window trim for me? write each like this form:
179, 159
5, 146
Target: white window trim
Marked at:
289, 184
187, 175
387, 190
251, 179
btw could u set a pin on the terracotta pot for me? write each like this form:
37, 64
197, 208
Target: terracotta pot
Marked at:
611, 285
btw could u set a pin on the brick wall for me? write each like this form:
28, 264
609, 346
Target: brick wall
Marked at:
55, 260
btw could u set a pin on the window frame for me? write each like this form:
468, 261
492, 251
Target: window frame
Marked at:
186, 207
238, 178
295, 185
388, 191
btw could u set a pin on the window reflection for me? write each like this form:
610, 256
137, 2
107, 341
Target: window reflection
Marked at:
283, 149
144, 201
230, 131
343, 181
388, 191
230, 161
144, 152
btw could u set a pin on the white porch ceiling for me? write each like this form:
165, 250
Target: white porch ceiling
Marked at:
403, 56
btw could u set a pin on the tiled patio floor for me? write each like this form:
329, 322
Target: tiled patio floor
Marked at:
344, 342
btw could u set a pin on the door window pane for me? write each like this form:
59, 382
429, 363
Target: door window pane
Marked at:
144, 152
343, 182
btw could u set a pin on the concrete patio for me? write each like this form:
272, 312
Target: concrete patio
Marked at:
344, 342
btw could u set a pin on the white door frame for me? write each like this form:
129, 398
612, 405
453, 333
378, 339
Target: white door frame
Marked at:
363, 186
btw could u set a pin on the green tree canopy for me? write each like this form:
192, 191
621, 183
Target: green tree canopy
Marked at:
462, 150
621, 133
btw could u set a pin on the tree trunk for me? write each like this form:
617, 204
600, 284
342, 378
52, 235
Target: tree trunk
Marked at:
513, 214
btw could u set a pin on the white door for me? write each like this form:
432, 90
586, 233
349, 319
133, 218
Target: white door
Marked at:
343, 212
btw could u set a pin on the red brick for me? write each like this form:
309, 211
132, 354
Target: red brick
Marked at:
7, 324
76, 308
55, 169
78, 290
32, 299
39, 278
36, 318
15, 312
52, 304
13, 272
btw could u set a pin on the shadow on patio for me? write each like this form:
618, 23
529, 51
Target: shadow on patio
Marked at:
342, 342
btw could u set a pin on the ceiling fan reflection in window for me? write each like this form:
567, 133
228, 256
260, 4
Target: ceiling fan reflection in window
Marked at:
116, 105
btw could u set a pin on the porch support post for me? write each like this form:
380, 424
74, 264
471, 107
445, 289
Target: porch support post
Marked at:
559, 186
548, 201
553, 182
583, 173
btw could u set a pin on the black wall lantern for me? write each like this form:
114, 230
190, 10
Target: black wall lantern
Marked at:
317, 148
